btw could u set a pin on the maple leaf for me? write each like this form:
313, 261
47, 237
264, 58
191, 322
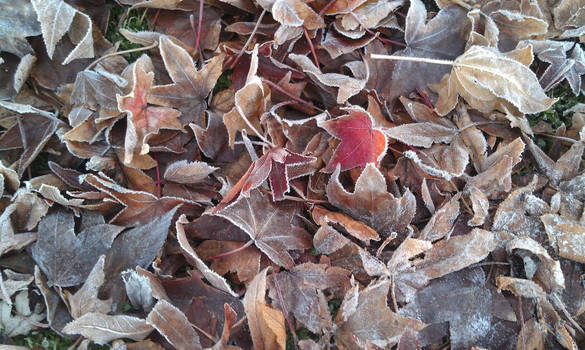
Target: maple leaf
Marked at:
269, 225
273, 165
65, 258
365, 318
190, 87
371, 203
361, 143
443, 37
143, 121
488, 80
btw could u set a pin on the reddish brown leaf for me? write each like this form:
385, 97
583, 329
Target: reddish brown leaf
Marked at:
361, 143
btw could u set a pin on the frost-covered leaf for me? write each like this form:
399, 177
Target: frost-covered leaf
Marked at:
361, 142
371, 203
266, 323
269, 225
65, 257
172, 324
86, 299
102, 329
57, 18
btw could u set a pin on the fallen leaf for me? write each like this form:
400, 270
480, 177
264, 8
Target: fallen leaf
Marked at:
488, 80
86, 299
174, 326
57, 18
355, 228
269, 225
190, 87
365, 318
266, 323
371, 203
188, 172
361, 143
102, 329
67, 258
143, 121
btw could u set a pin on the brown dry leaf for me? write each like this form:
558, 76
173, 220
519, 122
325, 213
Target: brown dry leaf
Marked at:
139, 207
266, 323
185, 172
364, 319
245, 263
293, 13
57, 18
421, 134
568, 236
102, 329
441, 223
346, 86
480, 205
190, 87
269, 225
302, 289
355, 228
549, 271
456, 253
172, 324
371, 203
143, 121
211, 276
520, 287
10, 241
488, 80
251, 102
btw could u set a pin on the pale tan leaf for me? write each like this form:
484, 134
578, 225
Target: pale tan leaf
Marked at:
57, 18
212, 277
520, 287
103, 329
174, 326
487, 79
355, 228
567, 235
421, 134
86, 299
266, 323
188, 172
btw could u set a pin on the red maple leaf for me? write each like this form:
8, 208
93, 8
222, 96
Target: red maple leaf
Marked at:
361, 143
272, 166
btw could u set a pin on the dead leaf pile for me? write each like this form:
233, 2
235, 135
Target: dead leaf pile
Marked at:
290, 174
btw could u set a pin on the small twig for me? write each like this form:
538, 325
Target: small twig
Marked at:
233, 251
198, 37
158, 189
412, 59
425, 98
207, 335
326, 7
138, 49
299, 100
74, 345
243, 49
522, 323
311, 47
151, 28
561, 138
284, 311
393, 291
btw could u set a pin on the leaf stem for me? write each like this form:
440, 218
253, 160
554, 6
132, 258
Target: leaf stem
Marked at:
326, 7
158, 189
376, 35
233, 251
311, 47
138, 49
198, 37
299, 100
284, 311
412, 59
249, 40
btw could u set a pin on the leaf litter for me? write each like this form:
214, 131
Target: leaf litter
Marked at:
293, 174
